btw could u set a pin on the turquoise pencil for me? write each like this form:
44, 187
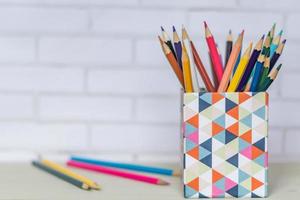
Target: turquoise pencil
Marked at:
133, 167
257, 73
275, 43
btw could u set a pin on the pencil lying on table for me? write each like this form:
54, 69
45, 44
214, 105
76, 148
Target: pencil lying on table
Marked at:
128, 166
119, 173
60, 175
70, 173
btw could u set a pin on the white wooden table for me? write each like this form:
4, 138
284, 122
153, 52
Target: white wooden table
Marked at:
22, 181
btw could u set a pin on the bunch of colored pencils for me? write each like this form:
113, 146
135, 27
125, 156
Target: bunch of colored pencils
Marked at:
250, 71
112, 168
66, 174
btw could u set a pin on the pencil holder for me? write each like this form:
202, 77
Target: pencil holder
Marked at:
225, 144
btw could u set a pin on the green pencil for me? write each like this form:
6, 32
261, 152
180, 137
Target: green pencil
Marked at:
62, 176
270, 78
265, 72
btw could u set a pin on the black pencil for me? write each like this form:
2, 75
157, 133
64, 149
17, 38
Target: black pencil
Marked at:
168, 41
228, 47
62, 176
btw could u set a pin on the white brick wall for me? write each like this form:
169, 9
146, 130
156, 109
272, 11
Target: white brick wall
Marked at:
89, 77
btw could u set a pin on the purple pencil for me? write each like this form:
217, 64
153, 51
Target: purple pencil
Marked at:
277, 54
251, 64
178, 47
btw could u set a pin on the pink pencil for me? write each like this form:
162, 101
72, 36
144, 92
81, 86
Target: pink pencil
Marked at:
115, 172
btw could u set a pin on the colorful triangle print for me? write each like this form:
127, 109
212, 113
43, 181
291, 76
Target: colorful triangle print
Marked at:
229, 104
225, 144
216, 128
194, 184
243, 96
217, 97
193, 121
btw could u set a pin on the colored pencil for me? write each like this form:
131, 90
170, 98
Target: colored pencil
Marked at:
186, 67
119, 173
214, 54
207, 82
240, 70
265, 72
251, 64
277, 54
213, 74
230, 64
128, 166
168, 41
257, 72
275, 43
220, 56
229, 43
60, 175
272, 32
266, 45
173, 62
237, 61
271, 77
186, 41
177, 45
70, 173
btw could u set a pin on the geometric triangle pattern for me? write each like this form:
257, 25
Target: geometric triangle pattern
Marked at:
225, 144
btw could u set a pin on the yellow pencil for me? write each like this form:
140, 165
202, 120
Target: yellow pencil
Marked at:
240, 70
68, 172
187, 76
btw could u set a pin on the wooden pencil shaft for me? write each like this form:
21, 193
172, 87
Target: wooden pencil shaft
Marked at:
62, 176
228, 51
186, 71
127, 166
230, 65
248, 69
115, 172
240, 70
208, 84
173, 62
68, 172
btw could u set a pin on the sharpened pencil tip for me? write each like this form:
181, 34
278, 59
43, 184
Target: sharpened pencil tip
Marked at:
278, 67
174, 30
281, 32
230, 32
243, 31
205, 24
263, 37
284, 41
162, 28
162, 182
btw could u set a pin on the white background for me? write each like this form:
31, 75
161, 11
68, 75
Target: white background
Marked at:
79, 76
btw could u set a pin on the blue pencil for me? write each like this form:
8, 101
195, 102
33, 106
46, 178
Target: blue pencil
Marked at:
275, 43
237, 62
133, 167
178, 47
257, 73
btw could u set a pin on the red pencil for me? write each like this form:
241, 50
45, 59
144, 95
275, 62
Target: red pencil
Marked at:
114, 172
214, 54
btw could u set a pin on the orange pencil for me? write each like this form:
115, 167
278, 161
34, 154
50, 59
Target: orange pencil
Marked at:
214, 54
230, 64
173, 62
